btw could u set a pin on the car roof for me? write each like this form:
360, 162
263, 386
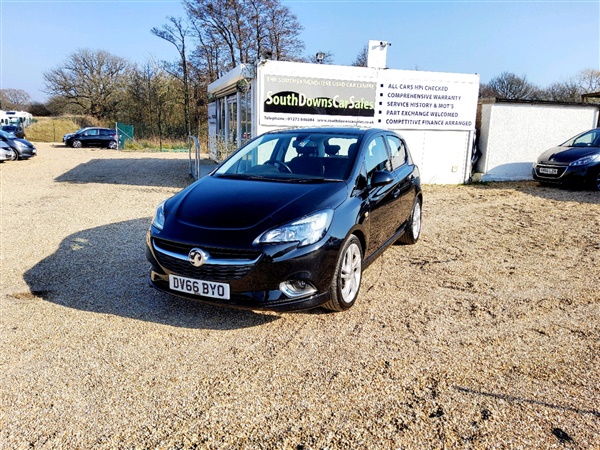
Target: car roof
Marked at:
94, 128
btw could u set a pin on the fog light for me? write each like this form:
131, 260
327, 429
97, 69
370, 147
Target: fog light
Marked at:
297, 288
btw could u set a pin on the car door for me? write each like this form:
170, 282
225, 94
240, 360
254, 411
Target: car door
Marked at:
91, 137
381, 199
402, 169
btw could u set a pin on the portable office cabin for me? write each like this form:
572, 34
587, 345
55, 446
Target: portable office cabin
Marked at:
434, 111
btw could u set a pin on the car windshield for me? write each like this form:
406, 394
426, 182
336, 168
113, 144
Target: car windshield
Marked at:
588, 139
6, 135
296, 156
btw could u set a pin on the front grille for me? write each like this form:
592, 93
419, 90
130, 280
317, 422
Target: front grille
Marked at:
208, 272
215, 252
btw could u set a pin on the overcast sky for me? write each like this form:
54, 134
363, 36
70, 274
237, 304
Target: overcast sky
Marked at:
546, 41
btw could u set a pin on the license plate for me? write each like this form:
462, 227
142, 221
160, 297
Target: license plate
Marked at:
548, 171
199, 287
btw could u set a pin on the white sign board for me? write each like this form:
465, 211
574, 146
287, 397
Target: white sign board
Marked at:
426, 100
393, 99
306, 101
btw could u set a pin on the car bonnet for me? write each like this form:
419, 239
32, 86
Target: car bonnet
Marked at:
567, 154
226, 204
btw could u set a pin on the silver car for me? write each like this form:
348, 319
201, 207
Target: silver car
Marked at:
6, 153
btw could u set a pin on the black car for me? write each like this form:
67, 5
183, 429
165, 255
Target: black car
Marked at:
14, 129
23, 149
575, 162
289, 221
92, 137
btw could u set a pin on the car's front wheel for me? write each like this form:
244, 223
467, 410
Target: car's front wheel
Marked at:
347, 276
594, 182
14, 156
76, 144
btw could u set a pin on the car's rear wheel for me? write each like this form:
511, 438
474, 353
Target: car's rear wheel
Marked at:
112, 145
347, 276
76, 144
413, 227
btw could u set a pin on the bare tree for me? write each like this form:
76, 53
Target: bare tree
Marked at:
283, 32
566, 91
14, 99
232, 32
509, 86
362, 57
91, 80
176, 33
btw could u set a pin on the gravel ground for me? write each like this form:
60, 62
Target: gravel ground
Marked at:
486, 334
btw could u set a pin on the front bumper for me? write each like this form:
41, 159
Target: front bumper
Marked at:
253, 285
560, 174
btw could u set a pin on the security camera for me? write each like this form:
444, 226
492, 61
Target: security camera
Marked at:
384, 43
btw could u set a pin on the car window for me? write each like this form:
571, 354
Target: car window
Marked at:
294, 156
92, 132
588, 139
397, 150
376, 157
260, 154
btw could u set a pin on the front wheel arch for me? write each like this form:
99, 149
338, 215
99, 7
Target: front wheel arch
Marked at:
347, 277
594, 180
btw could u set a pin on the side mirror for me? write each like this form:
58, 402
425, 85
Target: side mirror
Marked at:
381, 178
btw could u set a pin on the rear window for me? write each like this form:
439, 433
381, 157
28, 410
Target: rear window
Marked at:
107, 132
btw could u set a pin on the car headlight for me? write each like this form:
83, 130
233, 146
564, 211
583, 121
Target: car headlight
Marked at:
586, 160
305, 231
159, 216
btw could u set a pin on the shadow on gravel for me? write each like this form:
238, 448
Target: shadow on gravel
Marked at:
131, 171
512, 399
104, 270
556, 193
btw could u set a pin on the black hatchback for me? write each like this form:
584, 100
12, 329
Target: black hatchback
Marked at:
92, 137
289, 221
573, 163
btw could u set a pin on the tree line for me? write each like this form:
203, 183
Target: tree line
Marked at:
168, 98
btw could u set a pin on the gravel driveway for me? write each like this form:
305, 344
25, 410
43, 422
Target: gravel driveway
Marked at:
486, 334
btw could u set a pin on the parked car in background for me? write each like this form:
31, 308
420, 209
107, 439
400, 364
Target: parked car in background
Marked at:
6, 153
289, 221
14, 129
23, 149
575, 162
92, 137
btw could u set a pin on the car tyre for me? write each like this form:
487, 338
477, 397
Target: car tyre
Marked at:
593, 181
112, 145
15, 156
413, 227
76, 144
347, 277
